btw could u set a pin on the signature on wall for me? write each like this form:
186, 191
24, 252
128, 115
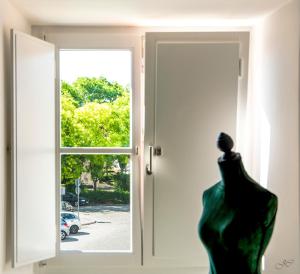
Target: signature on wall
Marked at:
285, 263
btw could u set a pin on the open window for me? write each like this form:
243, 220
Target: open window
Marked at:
75, 147
92, 160
96, 149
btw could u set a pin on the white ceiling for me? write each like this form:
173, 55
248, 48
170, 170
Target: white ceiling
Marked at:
142, 12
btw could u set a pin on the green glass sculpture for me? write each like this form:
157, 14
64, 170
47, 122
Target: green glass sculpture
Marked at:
238, 217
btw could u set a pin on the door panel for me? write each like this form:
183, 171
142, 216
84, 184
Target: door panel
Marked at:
33, 149
194, 97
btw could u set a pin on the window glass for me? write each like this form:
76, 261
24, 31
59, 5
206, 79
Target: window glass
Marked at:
105, 216
95, 98
95, 112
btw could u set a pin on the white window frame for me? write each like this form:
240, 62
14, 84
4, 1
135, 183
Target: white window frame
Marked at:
104, 41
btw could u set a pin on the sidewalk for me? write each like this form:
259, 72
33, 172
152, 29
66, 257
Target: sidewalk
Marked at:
99, 213
86, 218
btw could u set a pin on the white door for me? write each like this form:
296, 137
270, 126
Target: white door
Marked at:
33, 149
190, 96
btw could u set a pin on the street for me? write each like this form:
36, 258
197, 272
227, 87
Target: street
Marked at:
104, 228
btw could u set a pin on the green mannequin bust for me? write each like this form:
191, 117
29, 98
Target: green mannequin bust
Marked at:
238, 217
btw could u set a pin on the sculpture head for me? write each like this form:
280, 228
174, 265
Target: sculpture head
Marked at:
225, 144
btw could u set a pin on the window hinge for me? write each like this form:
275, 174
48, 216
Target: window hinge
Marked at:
143, 54
240, 67
42, 263
137, 150
143, 46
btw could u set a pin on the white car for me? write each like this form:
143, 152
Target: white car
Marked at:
64, 229
72, 220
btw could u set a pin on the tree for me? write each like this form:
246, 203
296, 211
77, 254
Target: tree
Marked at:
68, 129
98, 90
68, 90
122, 178
94, 113
98, 123
71, 169
95, 165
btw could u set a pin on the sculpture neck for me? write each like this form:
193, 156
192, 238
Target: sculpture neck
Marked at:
232, 171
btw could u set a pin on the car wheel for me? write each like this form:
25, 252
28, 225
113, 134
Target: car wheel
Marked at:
74, 229
63, 235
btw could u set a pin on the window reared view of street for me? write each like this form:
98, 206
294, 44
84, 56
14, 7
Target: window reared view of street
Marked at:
96, 206
103, 227
95, 186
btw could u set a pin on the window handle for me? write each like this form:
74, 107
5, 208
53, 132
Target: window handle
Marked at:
149, 166
157, 151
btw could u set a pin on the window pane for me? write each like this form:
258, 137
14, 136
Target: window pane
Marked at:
95, 98
103, 203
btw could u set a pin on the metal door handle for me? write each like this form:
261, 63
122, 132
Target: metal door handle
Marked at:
149, 166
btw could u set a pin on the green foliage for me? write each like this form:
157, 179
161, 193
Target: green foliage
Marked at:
95, 166
122, 181
71, 168
107, 197
68, 131
95, 113
70, 91
98, 90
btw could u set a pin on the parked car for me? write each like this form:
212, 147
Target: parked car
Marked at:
72, 220
73, 199
64, 229
66, 206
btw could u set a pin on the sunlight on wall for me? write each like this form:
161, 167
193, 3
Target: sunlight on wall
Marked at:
263, 263
260, 129
265, 138
254, 109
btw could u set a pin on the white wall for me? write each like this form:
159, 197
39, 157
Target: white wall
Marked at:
9, 18
274, 116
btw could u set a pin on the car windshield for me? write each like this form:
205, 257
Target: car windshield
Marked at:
68, 216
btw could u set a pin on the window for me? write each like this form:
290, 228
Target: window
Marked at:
62, 150
96, 148
93, 158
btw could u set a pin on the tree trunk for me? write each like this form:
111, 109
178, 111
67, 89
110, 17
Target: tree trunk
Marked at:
95, 185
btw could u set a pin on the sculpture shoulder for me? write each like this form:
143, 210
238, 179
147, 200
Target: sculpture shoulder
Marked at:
266, 204
271, 208
264, 196
208, 193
